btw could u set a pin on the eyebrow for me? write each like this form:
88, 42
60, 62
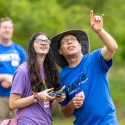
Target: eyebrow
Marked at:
69, 37
41, 39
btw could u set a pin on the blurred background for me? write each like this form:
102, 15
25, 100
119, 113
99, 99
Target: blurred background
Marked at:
54, 16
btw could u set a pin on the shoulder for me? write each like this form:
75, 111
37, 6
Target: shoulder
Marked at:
23, 67
96, 52
94, 55
18, 47
64, 69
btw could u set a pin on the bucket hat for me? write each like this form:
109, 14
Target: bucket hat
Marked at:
55, 41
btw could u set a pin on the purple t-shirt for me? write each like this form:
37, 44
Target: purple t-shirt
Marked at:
36, 113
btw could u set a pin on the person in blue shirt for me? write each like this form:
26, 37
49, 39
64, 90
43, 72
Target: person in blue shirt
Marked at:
11, 56
85, 75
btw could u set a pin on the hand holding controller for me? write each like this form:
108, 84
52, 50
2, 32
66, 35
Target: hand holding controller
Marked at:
58, 93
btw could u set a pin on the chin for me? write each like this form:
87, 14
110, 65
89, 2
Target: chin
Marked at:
43, 53
72, 53
7, 38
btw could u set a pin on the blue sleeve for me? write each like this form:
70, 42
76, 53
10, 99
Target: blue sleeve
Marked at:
100, 61
65, 101
23, 55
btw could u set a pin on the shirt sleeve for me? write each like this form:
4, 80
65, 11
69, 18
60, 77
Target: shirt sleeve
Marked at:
23, 55
100, 61
19, 82
64, 102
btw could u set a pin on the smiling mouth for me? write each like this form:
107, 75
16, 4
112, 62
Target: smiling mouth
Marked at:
43, 48
71, 47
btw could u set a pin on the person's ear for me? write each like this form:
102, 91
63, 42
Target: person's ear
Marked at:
60, 52
81, 46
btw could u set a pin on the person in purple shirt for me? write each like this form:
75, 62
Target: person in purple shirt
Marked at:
32, 81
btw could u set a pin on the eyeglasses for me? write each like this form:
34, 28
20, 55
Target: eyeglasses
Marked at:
41, 41
66, 41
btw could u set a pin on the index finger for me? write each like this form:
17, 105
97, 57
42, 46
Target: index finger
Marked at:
50, 89
91, 14
50, 97
63, 88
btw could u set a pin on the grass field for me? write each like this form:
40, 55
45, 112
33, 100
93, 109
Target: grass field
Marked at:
59, 121
62, 121
117, 85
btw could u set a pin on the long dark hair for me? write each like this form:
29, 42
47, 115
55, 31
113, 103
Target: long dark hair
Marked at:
49, 66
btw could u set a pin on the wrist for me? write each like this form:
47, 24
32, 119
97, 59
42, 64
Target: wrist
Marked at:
2, 77
36, 97
100, 32
71, 104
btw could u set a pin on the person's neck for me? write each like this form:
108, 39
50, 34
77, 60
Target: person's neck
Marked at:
74, 60
5, 42
40, 60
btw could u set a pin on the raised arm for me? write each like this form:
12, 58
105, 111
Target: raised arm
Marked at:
110, 45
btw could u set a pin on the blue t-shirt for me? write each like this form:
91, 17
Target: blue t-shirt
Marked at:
10, 58
90, 76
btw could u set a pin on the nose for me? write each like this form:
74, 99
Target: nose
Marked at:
43, 43
69, 41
